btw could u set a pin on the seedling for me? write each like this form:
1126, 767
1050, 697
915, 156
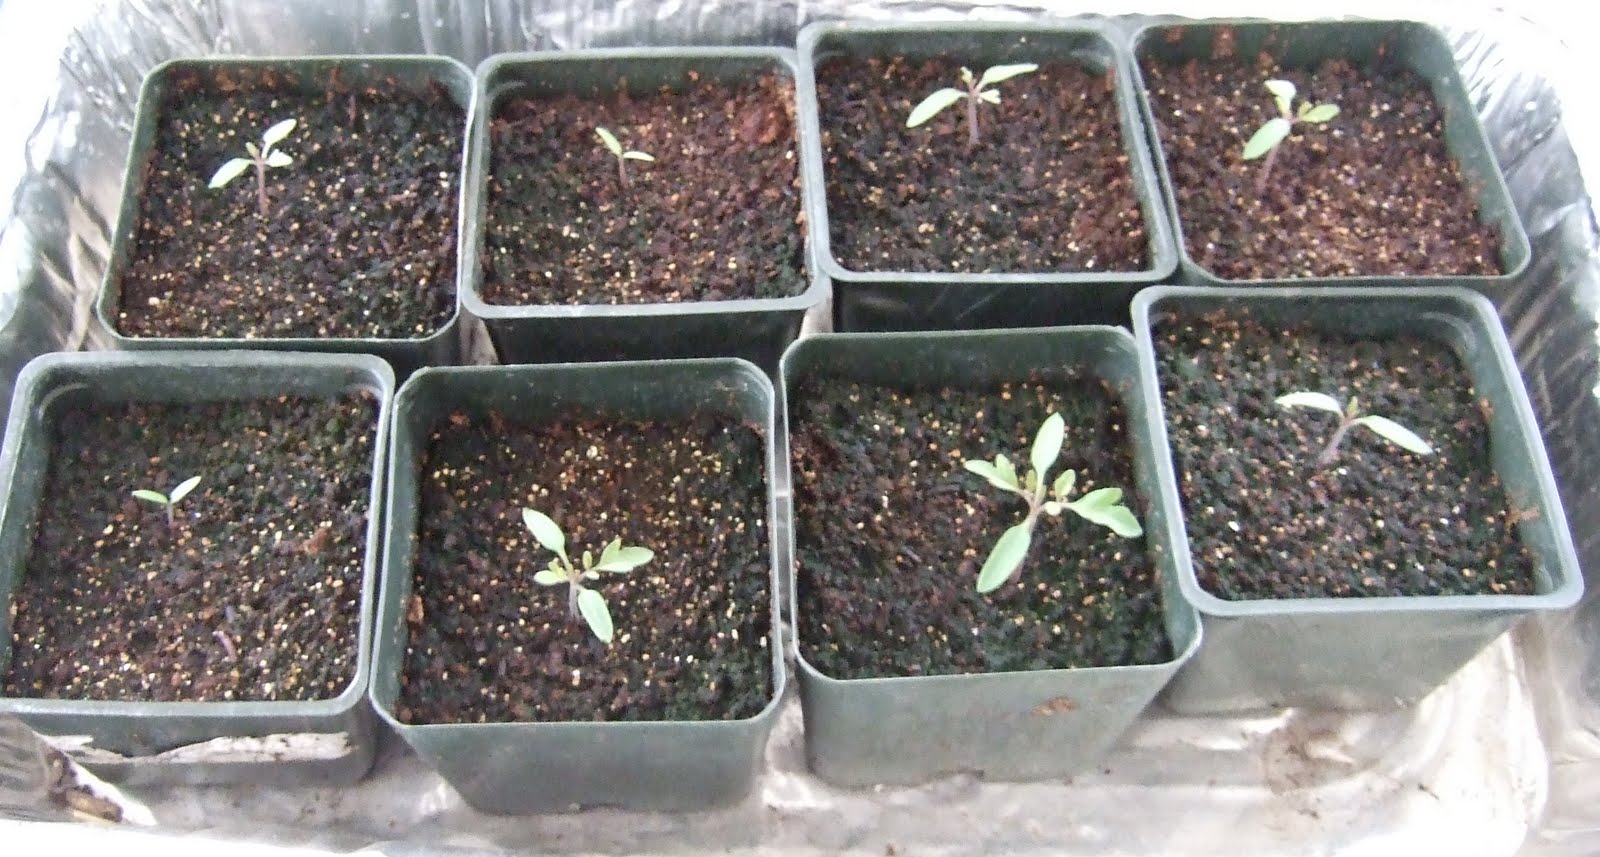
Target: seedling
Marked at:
1266, 138
1350, 416
581, 600
167, 501
1101, 506
261, 157
614, 146
977, 89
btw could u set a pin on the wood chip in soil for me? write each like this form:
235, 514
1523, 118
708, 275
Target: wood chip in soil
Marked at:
717, 216
1372, 192
360, 239
1049, 190
488, 645
1265, 522
891, 531
255, 594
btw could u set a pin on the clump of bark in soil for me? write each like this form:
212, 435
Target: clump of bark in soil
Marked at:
489, 645
254, 594
1373, 192
717, 216
360, 241
1265, 522
890, 532
1049, 189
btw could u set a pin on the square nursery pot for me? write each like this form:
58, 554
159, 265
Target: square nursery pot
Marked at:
371, 235
890, 235
1019, 721
1360, 205
730, 247
1373, 633
282, 741
527, 762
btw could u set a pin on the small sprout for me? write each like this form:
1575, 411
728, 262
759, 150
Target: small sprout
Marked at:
977, 90
1101, 506
167, 501
614, 146
1266, 138
261, 157
1350, 416
581, 600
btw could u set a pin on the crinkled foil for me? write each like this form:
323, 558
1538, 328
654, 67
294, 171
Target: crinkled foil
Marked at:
1505, 759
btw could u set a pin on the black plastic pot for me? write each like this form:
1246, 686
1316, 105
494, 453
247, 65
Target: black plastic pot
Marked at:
755, 329
516, 768
439, 347
1365, 653
1418, 47
321, 741
897, 300
1004, 725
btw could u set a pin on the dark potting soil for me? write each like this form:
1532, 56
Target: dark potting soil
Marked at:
253, 594
717, 216
1372, 192
891, 530
1265, 521
360, 237
489, 645
1049, 188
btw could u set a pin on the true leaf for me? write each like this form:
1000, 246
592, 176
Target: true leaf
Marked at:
1047, 443
1064, 484
1006, 557
1008, 471
1282, 92
637, 156
593, 609
279, 159
989, 95
183, 489
610, 550
626, 559
1321, 113
992, 473
1267, 136
229, 171
545, 531
610, 141
588, 560
931, 105
1099, 498
277, 132
1119, 519
1397, 434
995, 74
546, 577
152, 496
1320, 401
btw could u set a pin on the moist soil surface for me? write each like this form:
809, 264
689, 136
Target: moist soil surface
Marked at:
359, 240
1048, 189
716, 216
487, 644
1265, 521
1372, 192
254, 593
891, 530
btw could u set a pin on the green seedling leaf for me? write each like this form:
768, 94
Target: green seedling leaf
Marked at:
183, 489
934, 103
251, 148
626, 559
547, 577
279, 159
1064, 484
593, 609
1320, 401
1008, 471
1103, 506
1047, 444
229, 171
610, 550
1397, 434
156, 497
992, 473
1266, 137
1319, 114
638, 156
966, 75
1283, 92
989, 96
610, 141
1099, 498
1006, 557
545, 531
995, 74
276, 133
588, 560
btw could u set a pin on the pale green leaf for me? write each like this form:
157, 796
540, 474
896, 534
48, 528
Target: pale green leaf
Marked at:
995, 74
1321, 113
1064, 485
229, 171
610, 550
610, 141
1320, 401
1282, 92
1118, 519
591, 575
1397, 434
638, 156
593, 609
183, 489
1047, 444
588, 559
251, 148
547, 577
276, 133
1052, 508
966, 75
931, 106
1006, 557
1099, 498
156, 497
1266, 137
993, 474
989, 95
1008, 471
545, 531
279, 159
626, 559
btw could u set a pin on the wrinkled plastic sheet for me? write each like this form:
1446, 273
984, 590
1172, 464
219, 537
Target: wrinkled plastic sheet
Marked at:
1505, 759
